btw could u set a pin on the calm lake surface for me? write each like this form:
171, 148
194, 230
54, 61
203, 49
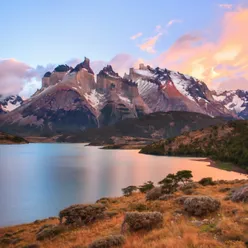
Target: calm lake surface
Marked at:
38, 180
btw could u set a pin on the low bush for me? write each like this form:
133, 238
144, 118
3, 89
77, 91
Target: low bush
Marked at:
146, 220
206, 181
82, 214
200, 205
154, 194
108, 242
49, 231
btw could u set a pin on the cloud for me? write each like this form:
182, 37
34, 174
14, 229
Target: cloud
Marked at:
171, 22
16, 75
13, 75
212, 61
149, 45
134, 37
233, 84
158, 28
226, 6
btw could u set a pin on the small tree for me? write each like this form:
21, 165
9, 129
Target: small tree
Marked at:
146, 187
184, 176
171, 182
129, 190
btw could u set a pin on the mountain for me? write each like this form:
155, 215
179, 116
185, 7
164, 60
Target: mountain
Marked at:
227, 142
10, 103
165, 90
143, 130
74, 99
11, 139
234, 100
70, 100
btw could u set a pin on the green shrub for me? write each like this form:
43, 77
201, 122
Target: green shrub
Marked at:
146, 187
206, 181
129, 190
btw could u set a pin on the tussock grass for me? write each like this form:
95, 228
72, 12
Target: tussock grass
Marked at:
228, 227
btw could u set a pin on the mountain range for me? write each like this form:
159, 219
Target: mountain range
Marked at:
74, 99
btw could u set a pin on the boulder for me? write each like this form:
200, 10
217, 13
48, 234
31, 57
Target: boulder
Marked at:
200, 205
108, 242
240, 194
82, 214
145, 220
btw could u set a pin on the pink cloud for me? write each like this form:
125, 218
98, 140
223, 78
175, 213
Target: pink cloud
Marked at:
198, 56
134, 37
149, 45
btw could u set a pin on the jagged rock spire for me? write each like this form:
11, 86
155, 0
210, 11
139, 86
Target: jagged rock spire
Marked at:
85, 64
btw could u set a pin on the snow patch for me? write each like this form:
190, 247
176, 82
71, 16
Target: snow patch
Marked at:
219, 98
182, 86
94, 98
236, 104
144, 73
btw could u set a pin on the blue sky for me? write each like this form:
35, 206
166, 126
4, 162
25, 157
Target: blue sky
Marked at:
202, 38
41, 32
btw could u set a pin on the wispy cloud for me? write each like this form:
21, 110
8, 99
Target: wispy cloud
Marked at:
171, 22
158, 28
134, 37
149, 44
226, 6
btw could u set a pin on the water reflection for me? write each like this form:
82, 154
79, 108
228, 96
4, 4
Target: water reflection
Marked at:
38, 180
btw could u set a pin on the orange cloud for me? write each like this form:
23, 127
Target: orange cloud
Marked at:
210, 61
149, 44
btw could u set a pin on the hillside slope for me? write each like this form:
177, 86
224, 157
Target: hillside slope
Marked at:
11, 139
227, 142
145, 129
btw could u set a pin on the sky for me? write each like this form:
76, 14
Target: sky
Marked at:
206, 39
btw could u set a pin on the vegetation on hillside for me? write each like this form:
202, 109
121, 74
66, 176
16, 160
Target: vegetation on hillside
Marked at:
145, 129
226, 143
11, 139
213, 215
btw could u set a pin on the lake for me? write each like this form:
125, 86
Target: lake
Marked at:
38, 180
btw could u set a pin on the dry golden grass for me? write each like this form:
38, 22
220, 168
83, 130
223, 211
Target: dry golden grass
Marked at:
228, 228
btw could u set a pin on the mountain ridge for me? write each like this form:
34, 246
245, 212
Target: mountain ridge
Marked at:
74, 99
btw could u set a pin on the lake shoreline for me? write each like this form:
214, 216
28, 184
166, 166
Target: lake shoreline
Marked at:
216, 164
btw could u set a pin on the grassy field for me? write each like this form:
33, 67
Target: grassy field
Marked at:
225, 228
